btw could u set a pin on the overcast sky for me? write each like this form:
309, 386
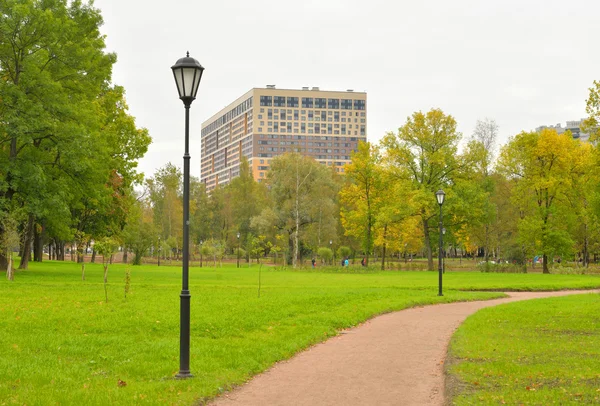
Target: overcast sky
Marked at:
523, 63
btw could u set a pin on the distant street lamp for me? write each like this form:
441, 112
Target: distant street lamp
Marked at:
331, 249
187, 72
158, 250
238, 250
201, 253
440, 195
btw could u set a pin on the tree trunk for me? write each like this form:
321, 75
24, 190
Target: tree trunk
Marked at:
383, 248
3, 255
124, 255
486, 252
60, 250
27, 240
38, 245
3, 262
427, 245
586, 254
545, 264
10, 274
93, 260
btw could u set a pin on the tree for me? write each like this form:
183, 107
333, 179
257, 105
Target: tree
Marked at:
58, 148
544, 168
299, 186
484, 135
362, 197
424, 156
106, 247
140, 232
592, 107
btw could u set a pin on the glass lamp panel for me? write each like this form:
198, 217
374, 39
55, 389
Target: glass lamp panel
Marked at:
440, 196
188, 75
179, 80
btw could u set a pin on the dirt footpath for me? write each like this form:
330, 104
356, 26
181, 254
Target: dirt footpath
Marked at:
393, 359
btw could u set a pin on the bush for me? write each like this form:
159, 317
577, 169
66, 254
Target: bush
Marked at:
344, 252
325, 254
501, 268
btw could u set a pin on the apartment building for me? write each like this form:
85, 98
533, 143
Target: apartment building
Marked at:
267, 122
573, 126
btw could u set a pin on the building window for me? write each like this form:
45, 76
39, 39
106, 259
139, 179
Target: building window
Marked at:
292, 102
320, 103
346, 105
359, 104
307, 102
333, 103
279, 101
282, 115
266, 100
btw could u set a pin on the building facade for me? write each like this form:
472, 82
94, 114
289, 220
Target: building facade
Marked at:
267, 122
573, 126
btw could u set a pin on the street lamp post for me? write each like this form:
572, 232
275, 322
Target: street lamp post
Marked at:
158, 250
332, 251
187, 72
440, 195
238, 250
200, 253
444, 252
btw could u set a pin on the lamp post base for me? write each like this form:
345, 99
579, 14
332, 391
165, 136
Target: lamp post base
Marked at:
184, 375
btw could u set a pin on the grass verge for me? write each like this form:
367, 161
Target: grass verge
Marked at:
536, 352
62, 343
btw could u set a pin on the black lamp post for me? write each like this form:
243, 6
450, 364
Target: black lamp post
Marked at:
440, 195
187, 72
444, 252
200, 253
331, 248
158, 250
238, 250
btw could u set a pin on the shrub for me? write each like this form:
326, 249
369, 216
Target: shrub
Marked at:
500, 268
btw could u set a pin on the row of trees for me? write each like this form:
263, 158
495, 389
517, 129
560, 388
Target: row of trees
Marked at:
538, 196
69, 150
68, 147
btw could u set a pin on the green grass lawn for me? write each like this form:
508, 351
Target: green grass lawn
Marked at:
61, 343
539, 352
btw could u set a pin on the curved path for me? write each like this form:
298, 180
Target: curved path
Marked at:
393, 359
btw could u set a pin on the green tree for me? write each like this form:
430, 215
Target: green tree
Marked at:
592, 107
298, 186
424, 156
57, 149
544, 168
363, 195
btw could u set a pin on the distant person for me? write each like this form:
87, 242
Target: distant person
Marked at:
346, 262
363, 262
313, 262
343, 262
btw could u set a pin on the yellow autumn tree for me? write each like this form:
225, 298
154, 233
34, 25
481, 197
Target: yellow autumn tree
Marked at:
545, 167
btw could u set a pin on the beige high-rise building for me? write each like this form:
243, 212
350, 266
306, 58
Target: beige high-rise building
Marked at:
265, 123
